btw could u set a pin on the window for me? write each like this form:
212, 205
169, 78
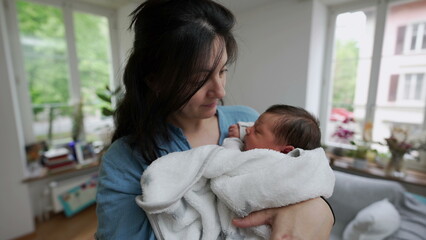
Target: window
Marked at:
67, 59
411, 90
413, 87
350, 73
416, 37
377, 71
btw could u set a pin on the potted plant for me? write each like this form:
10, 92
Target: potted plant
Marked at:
401, 143
359, 154
108, 98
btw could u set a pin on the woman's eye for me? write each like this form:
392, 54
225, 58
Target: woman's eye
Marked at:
223, 71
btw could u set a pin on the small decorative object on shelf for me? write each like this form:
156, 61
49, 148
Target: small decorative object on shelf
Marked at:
401, 143
34, 153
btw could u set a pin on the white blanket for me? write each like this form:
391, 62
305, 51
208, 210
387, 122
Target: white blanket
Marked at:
195, 194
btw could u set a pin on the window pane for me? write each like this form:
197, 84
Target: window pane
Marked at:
414, 37
407, 86
419, 87
94, 63
350, 74
424, 36
407, 110
42, 36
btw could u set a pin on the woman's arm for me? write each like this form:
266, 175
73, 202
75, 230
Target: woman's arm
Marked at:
311, 219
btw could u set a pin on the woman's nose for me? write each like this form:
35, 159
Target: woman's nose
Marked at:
217, 89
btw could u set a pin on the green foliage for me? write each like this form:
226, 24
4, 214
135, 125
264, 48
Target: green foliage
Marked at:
77, 122
43, 41
362, 151
92, 39
42, 34
345, 73
106, 96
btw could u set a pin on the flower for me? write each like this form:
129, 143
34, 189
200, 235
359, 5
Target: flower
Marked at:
344, 119
343, 133
400, 143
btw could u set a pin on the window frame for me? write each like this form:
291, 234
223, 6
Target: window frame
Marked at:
381, 8
68, 8
421, 33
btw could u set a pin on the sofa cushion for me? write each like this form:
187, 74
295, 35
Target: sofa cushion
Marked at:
353, 193
376, 221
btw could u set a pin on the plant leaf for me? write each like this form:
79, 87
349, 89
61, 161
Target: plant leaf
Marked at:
104, 97
107, 112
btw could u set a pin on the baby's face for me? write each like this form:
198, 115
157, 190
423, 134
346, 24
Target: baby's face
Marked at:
261, 134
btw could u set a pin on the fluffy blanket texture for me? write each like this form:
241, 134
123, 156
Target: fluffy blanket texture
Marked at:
195, 194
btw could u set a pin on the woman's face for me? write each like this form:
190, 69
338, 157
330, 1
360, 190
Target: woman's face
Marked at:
203, 103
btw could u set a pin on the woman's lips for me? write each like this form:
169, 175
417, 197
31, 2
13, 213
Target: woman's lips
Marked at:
211, 105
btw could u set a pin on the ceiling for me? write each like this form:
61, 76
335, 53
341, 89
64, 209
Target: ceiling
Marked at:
234, 5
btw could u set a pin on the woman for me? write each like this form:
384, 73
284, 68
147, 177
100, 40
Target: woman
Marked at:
174, 79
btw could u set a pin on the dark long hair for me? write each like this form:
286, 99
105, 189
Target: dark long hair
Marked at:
173, 40
296, 127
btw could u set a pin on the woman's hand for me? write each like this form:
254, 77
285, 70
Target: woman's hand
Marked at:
311, 219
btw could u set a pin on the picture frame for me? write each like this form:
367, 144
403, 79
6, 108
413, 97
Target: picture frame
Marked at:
84, 152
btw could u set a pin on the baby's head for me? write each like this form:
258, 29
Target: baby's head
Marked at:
283, 128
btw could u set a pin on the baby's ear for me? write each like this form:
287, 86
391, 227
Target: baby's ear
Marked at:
287, 148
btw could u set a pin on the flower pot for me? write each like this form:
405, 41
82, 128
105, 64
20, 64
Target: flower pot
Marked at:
395, 166
360, 163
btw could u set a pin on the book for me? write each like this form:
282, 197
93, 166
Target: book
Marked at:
56, 153
61, 166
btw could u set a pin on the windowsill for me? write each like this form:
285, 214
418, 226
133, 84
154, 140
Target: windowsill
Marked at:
78, 168
373, 170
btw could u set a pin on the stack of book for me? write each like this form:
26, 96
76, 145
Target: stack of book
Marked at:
58, 160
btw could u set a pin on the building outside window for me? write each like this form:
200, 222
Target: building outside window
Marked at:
377, 71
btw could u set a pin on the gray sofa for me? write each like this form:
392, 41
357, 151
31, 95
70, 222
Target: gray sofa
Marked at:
353, 193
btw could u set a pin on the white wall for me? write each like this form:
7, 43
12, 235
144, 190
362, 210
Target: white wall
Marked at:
317, 38
274, 59
125, 35
15, 210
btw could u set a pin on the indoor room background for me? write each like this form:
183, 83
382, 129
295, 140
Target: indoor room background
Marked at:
288, 54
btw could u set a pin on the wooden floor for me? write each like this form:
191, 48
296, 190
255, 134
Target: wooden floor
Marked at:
81, 226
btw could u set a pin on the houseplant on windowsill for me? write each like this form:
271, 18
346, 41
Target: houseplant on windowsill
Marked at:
359, 154
343, 134
107, 96
401, 143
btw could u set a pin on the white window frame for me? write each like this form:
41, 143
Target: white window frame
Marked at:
68, 8
419, 38
381, 8
413, 86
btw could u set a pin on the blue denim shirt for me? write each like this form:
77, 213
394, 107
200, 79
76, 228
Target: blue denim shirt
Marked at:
119, 179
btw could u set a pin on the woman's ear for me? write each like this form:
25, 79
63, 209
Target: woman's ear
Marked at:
287, 148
